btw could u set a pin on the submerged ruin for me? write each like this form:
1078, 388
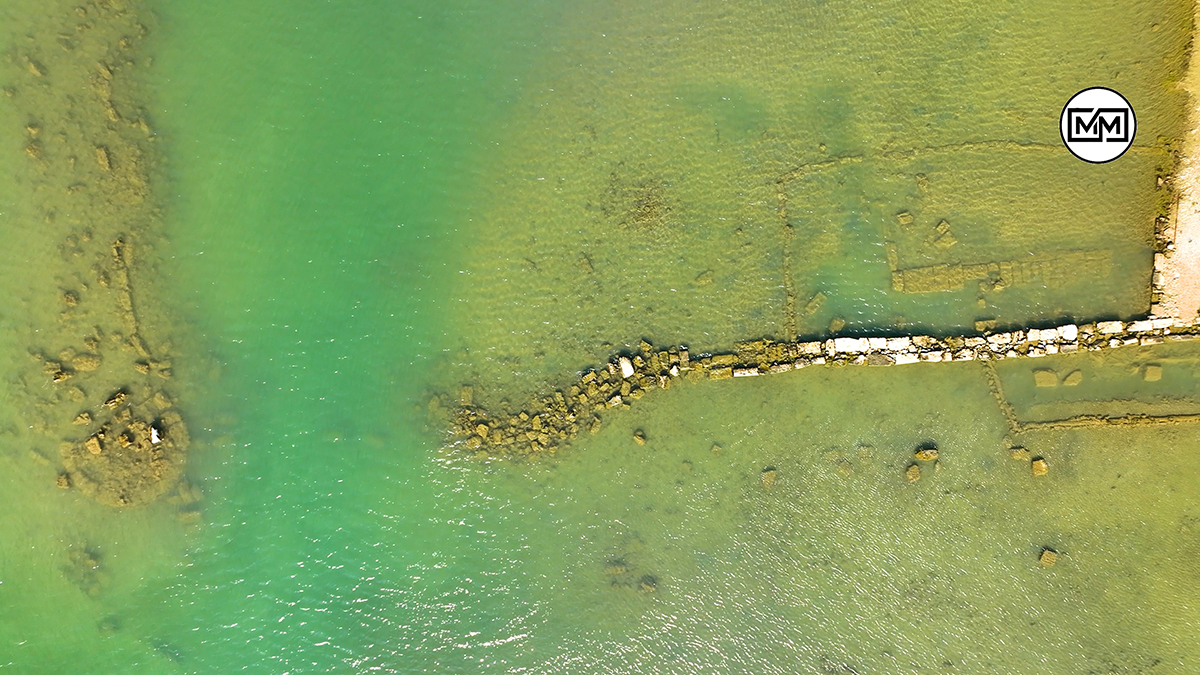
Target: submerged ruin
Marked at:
559, 418
97, 382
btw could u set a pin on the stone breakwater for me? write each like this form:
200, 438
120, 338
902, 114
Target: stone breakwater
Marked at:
554, 420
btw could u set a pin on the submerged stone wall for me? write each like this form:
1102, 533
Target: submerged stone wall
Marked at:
558, 418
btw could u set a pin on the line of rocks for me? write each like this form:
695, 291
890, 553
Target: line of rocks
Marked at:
558, 418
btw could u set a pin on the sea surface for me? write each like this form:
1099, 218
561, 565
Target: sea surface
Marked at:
368, 205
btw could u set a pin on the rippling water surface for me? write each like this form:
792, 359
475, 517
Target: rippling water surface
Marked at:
371, 204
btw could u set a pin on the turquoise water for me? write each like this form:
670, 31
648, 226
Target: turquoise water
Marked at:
343, 172
358, 220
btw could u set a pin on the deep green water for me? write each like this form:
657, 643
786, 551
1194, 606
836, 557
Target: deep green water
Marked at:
370, 203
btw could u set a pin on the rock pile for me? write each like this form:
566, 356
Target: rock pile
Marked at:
562, 415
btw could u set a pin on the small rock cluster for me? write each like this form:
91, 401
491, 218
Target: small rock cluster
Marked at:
628, 377
926, 453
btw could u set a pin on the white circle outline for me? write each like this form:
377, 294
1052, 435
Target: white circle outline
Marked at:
1064, 138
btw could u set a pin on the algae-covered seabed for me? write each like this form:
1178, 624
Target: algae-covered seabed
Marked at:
370, 205
699, 174
694, 173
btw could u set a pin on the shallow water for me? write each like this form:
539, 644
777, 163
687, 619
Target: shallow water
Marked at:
368, 205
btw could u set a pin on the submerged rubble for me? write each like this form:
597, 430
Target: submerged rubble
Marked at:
98, 334
627, 377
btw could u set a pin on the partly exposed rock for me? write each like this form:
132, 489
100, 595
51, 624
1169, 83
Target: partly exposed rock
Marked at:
927, 453
1039, 467
913, 473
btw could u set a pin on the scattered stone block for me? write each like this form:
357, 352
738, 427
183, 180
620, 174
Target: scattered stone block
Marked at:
1039, 467
1045, 377
639, 437
999, 339
943, 238
813, 305
767, 478
1073, 378
1152, 373
913, 473
926, 454
851, 345
1047, 558
1019, 454
876, 359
